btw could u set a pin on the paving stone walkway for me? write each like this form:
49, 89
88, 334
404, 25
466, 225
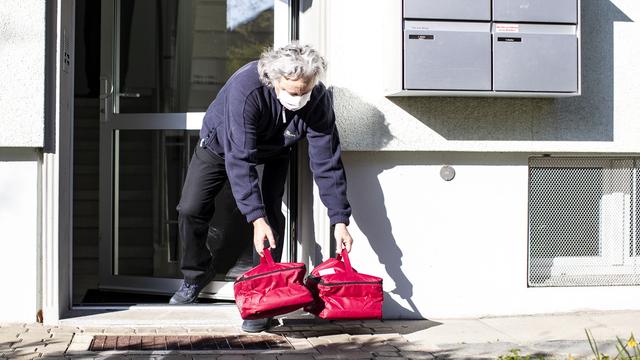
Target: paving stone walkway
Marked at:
339, 340
552, 336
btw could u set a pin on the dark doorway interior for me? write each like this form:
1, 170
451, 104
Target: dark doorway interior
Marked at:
152, 163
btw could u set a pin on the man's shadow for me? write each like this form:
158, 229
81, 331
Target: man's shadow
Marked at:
367, 202
370, 214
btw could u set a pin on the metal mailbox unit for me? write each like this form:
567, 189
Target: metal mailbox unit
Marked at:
448, 9
527, 48
541, 11
540, 58
459, 55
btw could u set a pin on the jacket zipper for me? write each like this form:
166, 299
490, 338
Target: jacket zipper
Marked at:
348, 283
267, 273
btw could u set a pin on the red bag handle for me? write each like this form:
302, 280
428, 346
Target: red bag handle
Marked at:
267, 258
345, 258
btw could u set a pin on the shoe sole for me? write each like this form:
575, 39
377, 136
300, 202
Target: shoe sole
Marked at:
175, 302
254, 330
182, 303
268, 326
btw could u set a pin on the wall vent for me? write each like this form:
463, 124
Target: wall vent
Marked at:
583, 217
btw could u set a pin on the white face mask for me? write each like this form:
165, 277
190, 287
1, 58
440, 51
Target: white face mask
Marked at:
293, 102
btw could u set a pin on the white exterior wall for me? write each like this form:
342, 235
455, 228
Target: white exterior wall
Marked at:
22, 62
451, 249
19, 234
459, 248
363, 44
22, 122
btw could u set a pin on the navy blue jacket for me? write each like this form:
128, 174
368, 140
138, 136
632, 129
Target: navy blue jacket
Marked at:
246, 125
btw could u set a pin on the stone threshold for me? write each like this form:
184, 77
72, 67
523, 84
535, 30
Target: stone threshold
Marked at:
154, 315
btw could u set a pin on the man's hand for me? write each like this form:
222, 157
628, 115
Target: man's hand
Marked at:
343, 238
262, 231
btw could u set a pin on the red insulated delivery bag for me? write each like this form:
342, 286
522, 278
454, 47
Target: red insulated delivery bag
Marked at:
271, 289
341, 292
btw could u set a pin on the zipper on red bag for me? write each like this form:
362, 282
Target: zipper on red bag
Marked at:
349, 283
269, 272
315, 279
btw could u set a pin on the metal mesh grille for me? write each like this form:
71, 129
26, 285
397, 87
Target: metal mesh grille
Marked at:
582, 220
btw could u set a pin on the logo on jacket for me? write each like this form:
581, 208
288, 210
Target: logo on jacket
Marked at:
289, 133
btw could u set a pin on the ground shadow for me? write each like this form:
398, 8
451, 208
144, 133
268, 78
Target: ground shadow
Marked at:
297, 327
367, 202
589, 117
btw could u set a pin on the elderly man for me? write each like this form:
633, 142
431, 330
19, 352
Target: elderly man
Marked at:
263, 109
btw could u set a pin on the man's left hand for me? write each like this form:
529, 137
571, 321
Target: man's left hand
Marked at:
343, 238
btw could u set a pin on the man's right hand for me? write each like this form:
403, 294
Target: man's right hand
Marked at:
262, 231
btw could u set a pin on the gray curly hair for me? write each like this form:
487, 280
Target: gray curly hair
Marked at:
292, 61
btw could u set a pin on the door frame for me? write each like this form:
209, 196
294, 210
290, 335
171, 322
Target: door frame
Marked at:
57, 168
55, 181
112, 121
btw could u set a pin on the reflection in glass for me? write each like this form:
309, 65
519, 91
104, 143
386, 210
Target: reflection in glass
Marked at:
151, 167
176, 55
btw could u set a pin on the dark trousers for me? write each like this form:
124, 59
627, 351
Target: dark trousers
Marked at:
205, 178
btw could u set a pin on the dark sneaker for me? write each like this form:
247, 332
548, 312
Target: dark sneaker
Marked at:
187, 294
255, 326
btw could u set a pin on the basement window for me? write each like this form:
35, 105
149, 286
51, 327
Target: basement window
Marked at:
582, 222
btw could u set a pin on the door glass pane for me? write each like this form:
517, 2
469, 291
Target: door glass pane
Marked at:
174, 56
151, 167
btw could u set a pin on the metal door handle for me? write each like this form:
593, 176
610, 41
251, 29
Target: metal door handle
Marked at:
129, 95
106, 90
107, 87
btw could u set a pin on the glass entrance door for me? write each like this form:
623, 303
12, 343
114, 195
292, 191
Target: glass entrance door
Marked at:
162, 63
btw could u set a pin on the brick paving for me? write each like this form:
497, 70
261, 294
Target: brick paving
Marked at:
292, 340
188, 342
550, 336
